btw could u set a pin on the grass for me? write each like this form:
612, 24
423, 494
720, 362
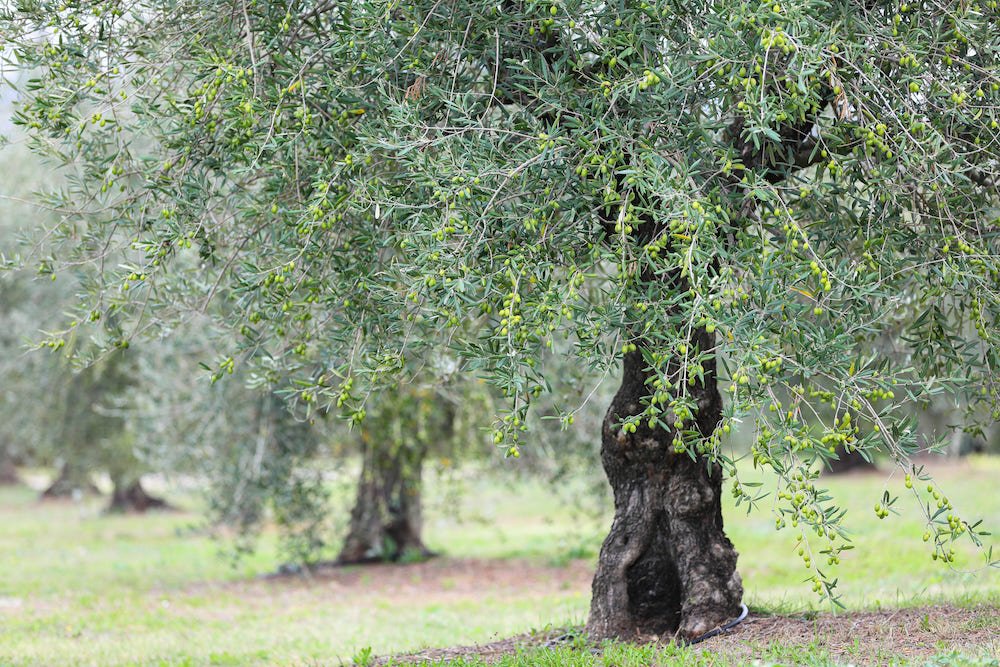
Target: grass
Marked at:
626, 655
890, 565
80, 588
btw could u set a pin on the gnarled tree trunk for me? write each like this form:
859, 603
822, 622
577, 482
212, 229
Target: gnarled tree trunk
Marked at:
667, 566
131, 497
386, 519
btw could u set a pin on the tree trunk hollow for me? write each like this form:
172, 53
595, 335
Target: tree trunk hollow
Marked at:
386, 522
666, 567
132, 498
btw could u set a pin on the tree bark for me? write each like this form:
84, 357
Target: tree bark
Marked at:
132, 498
666, 567
70, 480
386, 521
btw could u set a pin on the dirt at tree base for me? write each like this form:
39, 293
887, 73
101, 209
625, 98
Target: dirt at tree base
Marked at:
852, 637
134, 499
868, 637
860, 637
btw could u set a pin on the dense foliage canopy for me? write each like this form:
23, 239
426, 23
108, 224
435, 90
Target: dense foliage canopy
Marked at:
805, 191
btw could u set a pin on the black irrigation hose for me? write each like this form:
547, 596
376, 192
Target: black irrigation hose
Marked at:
722, 628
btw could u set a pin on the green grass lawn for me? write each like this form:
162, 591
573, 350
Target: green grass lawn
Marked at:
77, 587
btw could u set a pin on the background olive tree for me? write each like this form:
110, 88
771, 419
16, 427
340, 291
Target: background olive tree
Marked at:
356, 491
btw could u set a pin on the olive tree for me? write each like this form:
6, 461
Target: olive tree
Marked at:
735, 199
52, 412
33, 409
90, 409
258, 459
21, 313
15, 432
406, 424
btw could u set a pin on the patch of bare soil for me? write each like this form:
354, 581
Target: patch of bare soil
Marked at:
439, 579
866, 638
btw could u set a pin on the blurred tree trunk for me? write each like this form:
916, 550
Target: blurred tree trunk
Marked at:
847, 462
8, 471
71, 480
386, 520
129, 497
